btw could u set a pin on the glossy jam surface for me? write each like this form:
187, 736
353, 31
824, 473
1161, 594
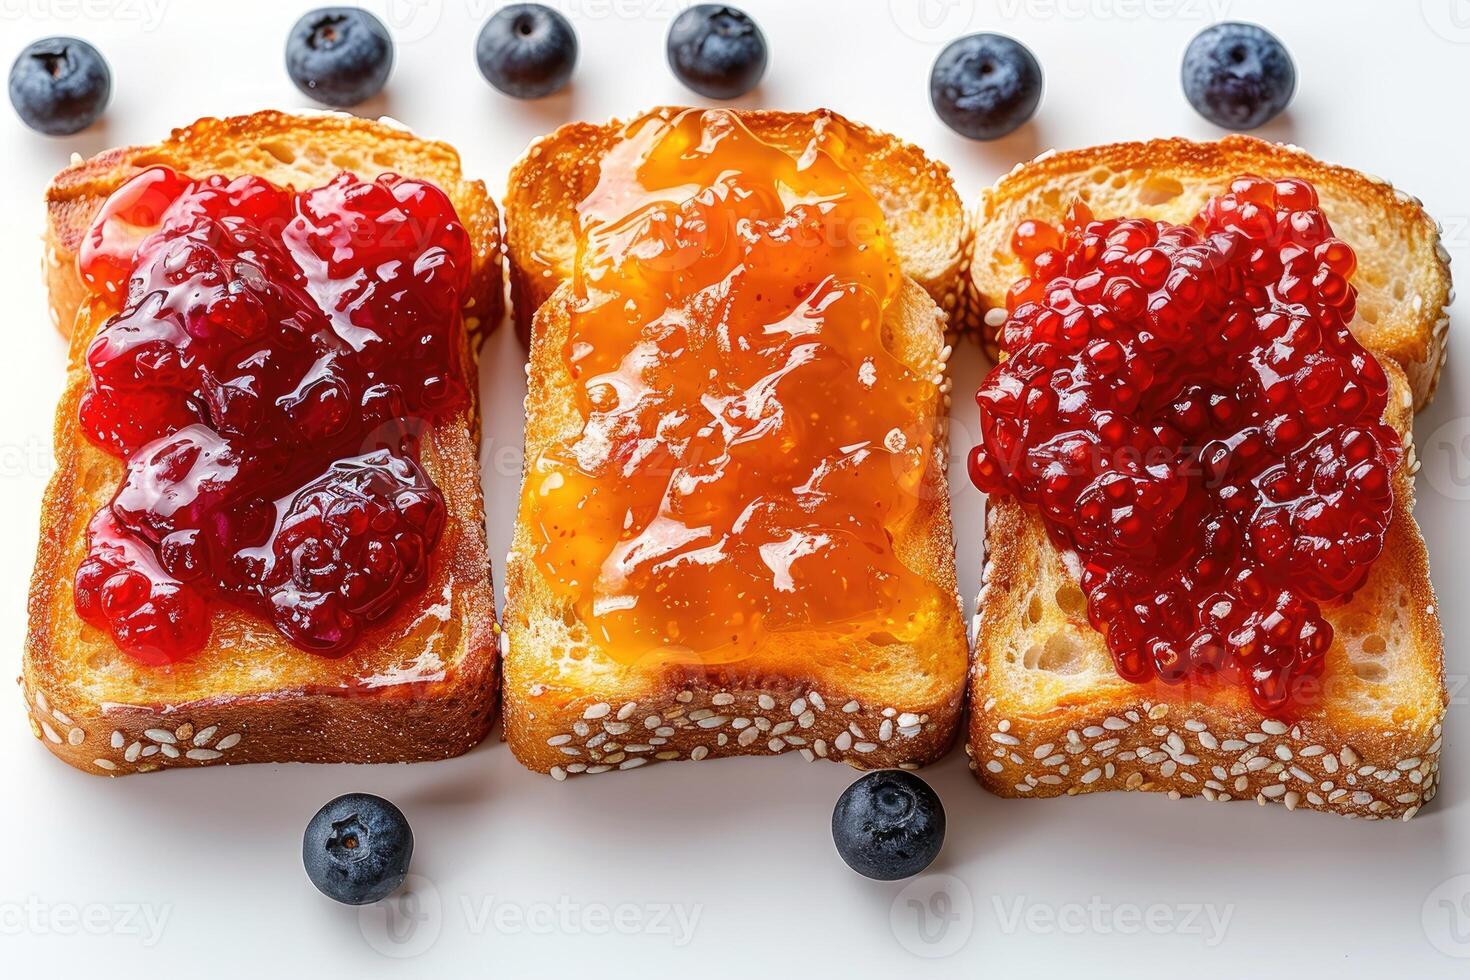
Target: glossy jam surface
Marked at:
1188, 411
749, 445
273, 359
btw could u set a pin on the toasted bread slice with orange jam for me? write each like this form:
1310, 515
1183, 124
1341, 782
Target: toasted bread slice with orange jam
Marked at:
1403, 276
925, 215
869, 699
1049, 713
421, 684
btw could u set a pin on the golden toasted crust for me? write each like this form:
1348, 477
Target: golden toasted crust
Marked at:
1403, 276
420, 685
1050, 716
925, 215
569, 708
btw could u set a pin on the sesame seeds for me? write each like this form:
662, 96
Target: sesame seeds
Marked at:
1139, 749
134, 750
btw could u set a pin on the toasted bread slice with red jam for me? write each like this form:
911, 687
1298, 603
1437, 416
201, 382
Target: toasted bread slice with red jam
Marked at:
925, 215
419, 683
1050, 713
573, 703
1403, 276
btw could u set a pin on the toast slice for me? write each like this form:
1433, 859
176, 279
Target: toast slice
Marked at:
1050, 716
924, 213
571, 708
1403, 276
421, 684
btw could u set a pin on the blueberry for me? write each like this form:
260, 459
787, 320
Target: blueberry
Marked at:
1238, 76
60, 85
985, 85
717, 50
357, 849
527, 50
339, 56
888, 825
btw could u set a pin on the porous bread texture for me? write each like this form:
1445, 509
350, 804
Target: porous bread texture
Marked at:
570, 708
1402, 278
1050, 716
926, 219
419, 685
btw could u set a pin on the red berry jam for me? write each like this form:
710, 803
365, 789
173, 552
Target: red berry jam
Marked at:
272, 358
1188, 411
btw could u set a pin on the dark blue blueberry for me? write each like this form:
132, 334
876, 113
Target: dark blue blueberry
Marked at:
357, 849
985, 85
1238, 76
527, 50
339, 56
717, 50
888, 825
60, 85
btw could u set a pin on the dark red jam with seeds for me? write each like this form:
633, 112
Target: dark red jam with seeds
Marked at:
272, 361
1189, 413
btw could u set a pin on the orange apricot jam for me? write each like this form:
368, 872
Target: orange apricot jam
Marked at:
750, 446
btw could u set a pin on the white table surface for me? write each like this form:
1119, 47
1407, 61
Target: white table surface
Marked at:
727, 868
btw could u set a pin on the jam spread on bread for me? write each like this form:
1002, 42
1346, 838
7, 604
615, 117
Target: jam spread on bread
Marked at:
271, 360
747, 445
1188, 412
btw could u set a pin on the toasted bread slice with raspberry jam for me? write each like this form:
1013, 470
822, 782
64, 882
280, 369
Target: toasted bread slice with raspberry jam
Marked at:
1051, 716
925, 215
869, 700
1049, 713
1403, 277
421, 683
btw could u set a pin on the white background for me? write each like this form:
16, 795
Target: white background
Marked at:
742, 844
